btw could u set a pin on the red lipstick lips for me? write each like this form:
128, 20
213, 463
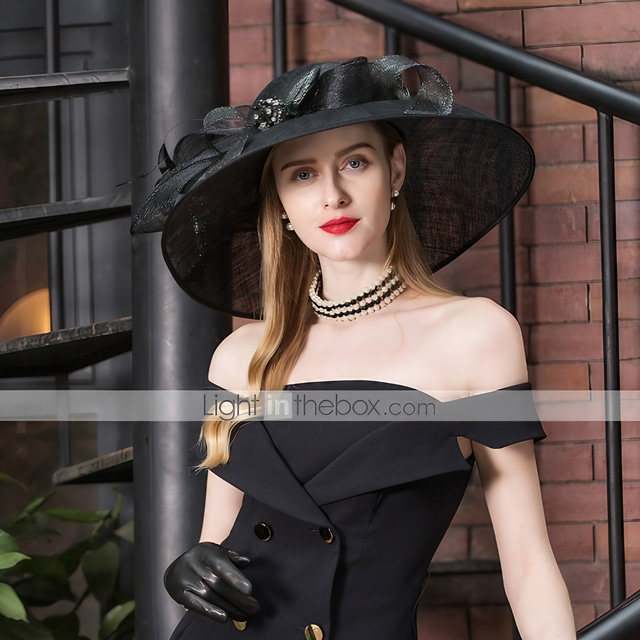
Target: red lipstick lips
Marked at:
339, 225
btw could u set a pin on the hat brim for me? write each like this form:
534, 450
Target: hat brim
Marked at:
465, 172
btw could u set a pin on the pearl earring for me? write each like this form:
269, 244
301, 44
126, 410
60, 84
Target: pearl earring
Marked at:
396, 193
288, 225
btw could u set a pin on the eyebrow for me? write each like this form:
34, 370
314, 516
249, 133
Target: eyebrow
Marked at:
339, 154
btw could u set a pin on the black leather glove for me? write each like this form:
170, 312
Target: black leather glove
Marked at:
206, 579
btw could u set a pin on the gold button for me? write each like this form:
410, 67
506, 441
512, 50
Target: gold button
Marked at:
326, 534
263, 531
313, 632
240, 626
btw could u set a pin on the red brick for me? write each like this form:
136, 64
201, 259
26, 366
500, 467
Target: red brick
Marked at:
473, 509
254, 12
569, 375
544, 107
474, 76
551, 224
436, 6
445, 63
558, 462
628, 299
583, 614
564, 183
249, 12
579, 183
612, 61
574, 502
631, 541
483, 544
573, 431
630, 460
491, 623
454, 545
582, 340
309, 10
565, 263
483, 5
631, 497
249, 45
553, 303
442, 623
627, 220
626, 140
584, 24
570, 56
586, 582
553, 144
572, 542
335, 41
246, 82
480, 268
502, 25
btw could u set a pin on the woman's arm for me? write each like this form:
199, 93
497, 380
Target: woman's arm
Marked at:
221, 507
534, 586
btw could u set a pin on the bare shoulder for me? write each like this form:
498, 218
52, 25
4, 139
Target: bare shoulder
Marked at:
491, 341
230, 361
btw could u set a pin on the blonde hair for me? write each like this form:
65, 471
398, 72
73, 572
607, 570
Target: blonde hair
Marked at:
288, 267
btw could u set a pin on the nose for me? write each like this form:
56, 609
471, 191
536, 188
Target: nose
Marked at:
335, 195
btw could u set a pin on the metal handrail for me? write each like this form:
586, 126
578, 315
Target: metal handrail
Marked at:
513, 61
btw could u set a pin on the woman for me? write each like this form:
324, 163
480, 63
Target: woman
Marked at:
322, 529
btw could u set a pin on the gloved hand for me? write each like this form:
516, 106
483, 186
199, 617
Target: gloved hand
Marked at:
206, 579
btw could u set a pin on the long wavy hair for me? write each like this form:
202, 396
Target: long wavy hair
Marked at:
288, 267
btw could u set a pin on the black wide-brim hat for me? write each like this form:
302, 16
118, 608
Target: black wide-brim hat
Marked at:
465, 171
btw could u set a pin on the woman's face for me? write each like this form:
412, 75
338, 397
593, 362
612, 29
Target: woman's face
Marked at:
336, 186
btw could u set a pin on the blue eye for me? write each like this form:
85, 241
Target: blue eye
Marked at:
303, 175
355, 163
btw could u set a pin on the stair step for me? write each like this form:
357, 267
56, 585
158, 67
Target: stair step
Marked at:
53, 86
112, 467
24, 221
64, 350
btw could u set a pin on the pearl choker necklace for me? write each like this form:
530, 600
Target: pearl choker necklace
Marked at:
378, 295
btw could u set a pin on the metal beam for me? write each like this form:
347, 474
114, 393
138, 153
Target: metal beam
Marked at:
515, 62
55, 86
38, 218
179, 71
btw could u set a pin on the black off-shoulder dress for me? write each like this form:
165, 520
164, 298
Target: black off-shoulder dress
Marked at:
341, 520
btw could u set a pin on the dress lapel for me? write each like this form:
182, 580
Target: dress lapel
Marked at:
257, 469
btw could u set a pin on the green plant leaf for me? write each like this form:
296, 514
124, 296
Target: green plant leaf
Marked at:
7, 542
71, 557
10, 604
65, 627
31, 526
18, 630
114, 618
34, 505
100, 569
74, 515
11, 559
47, 567
40, 591
125, 531
5, 477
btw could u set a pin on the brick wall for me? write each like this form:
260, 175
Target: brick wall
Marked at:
557, 261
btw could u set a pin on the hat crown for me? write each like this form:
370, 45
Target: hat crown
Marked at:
333, 85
